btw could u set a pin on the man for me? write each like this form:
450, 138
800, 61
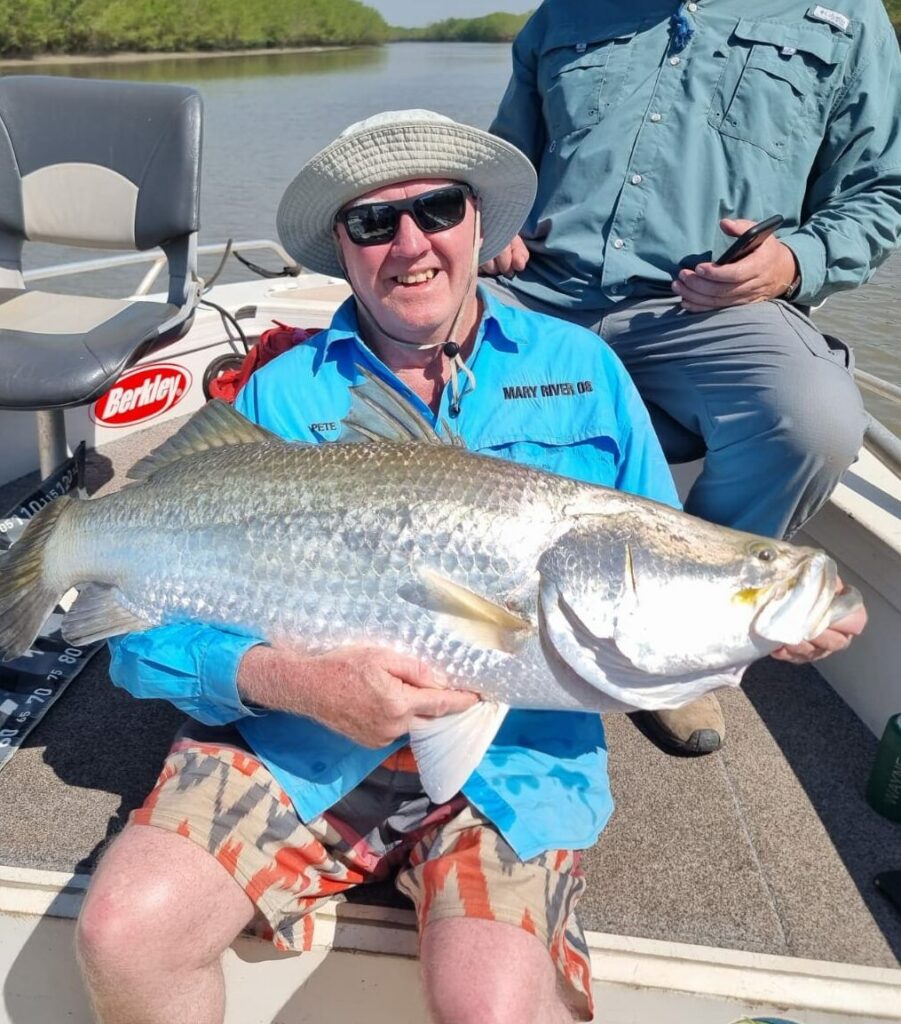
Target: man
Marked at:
294, 781
658, 129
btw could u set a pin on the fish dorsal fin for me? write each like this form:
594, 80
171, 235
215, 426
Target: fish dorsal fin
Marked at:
448, 749
379, 413
214, 425
481, 622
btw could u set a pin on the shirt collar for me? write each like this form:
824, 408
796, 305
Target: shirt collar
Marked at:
495, 325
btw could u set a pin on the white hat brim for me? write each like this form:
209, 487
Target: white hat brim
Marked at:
499, 173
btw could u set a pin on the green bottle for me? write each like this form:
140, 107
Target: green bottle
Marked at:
884, 787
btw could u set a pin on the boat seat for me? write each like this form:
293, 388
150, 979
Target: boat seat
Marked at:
104, 165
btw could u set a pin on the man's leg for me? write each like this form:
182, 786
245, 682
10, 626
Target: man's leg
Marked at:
500, 939
484, 972
774, 403
158, 916
216, 844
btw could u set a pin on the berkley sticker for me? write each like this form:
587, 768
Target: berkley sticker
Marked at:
142, 394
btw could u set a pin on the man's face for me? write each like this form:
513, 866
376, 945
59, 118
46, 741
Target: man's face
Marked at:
414, 284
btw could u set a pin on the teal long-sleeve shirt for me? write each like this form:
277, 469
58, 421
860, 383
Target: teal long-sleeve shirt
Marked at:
642, 144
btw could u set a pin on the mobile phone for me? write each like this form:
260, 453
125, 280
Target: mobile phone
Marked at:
889, 884
749, 241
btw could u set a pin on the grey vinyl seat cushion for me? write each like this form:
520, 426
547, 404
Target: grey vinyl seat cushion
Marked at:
92, 164
75, 366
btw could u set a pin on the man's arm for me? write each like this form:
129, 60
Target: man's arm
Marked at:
854, 193
370, 694
852, 206
519, 120
192, 666
519, 117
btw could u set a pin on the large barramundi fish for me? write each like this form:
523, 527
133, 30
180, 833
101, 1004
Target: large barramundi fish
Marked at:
532, 589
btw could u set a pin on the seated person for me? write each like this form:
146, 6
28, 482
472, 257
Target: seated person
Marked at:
658, 130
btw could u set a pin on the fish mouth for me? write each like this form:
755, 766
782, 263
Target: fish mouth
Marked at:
797, 607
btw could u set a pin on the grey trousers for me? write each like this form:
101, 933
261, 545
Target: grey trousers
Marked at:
756, 390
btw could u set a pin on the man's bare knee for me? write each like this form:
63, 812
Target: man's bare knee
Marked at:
159, 893
485, 972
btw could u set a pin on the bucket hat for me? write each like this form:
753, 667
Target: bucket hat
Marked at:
396, 146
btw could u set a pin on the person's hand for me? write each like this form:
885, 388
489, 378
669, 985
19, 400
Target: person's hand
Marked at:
510, 261
836, 638
370, 694
765, 273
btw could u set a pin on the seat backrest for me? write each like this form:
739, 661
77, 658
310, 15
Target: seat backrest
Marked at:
109, 165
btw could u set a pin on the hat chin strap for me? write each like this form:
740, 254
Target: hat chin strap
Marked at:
450, 345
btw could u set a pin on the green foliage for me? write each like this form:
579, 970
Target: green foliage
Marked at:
104, 26
498, 28
894, 12
492, 28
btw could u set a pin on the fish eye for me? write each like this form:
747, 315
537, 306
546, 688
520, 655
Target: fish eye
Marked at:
763, 552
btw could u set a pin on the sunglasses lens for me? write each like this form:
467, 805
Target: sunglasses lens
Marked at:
439, 210
371, 223
376, 223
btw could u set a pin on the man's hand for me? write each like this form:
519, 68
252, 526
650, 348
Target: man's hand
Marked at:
765, 273
836, 638
370, 694
510, 261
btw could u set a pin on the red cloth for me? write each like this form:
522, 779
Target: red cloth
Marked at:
272, 343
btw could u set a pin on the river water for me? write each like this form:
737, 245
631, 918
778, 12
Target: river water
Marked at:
265, 115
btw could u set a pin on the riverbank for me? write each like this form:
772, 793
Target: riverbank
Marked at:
134, 57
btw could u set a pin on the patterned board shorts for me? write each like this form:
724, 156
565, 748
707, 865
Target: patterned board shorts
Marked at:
448, 859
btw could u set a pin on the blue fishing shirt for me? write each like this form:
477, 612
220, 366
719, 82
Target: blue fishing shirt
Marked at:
649, 121
549, 395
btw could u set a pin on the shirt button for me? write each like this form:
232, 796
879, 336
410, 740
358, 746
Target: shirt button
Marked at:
656, 117
618, 243
636, 179
675, 61
692, 7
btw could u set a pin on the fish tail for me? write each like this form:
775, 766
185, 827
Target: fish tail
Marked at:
25, 598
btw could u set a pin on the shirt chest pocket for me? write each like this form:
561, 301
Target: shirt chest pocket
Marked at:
776, 84
580, 79
591, 459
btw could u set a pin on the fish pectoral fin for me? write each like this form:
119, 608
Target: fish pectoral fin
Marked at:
98, 613
448, 749
214, 425
483, 623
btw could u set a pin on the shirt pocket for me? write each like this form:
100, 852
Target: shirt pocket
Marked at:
776, 81
580, 76
592, 459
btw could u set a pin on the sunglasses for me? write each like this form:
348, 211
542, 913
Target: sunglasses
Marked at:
377, 223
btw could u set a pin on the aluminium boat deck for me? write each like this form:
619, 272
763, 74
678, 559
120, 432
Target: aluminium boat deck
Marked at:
767, 846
